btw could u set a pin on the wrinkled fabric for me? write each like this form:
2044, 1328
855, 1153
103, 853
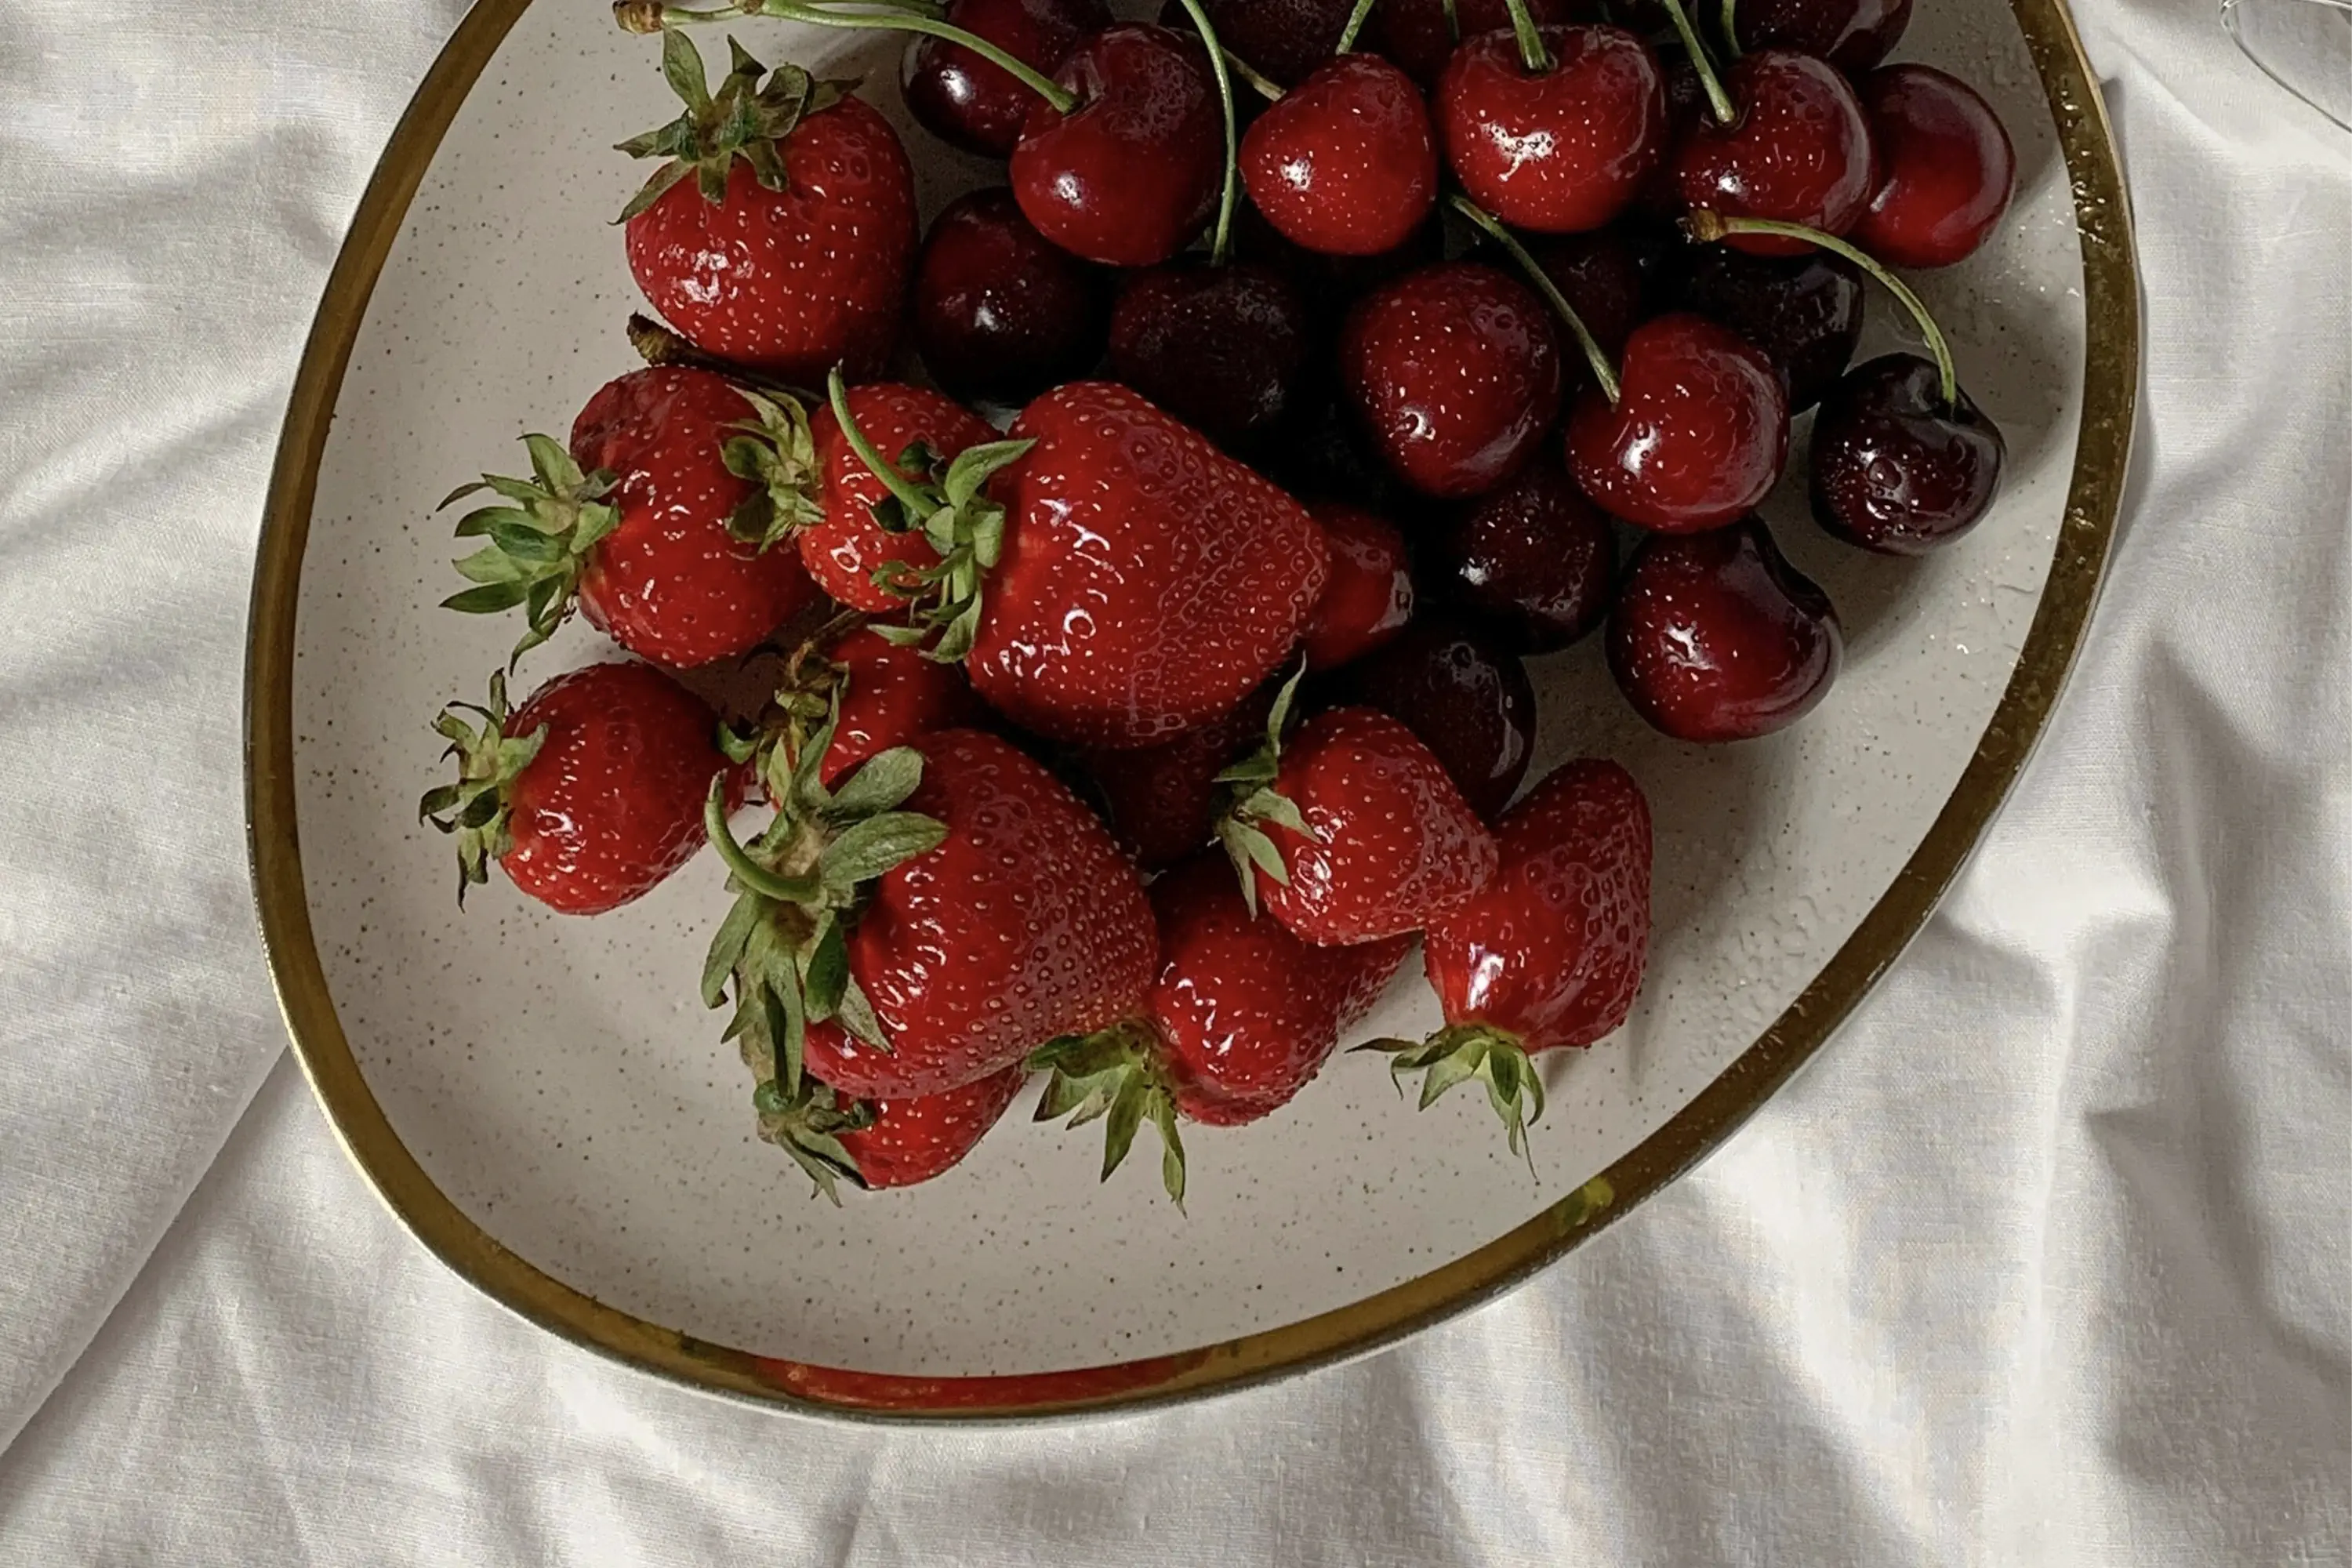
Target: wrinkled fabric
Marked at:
2045, 1260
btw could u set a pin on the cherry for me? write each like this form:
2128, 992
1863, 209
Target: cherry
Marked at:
1534, 560
1327, 453
1421, 35
1804, 311
1697, 435
1554, 129
1852, 34
1224, 349
1332, 284
1129, 172
1283, 40
1000, 313
1897, 466
1660, 195
1454, 372
1465, 695
979, 106
1714, 637
1795, 147
1607, 276
1370, 596
1945, 168
1346, 161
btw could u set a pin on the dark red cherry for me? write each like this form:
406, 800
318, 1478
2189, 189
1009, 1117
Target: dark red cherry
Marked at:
1557, 151
1369, 597
1281, 39
1852, 34
962, 98
1226, 349
1798, 149
1607, 276
1534, 560
1659, 198
1804, 311
1894, 469
1420, 35
1000, 313
1465, 695
1697, 437
1346, 161
1326, 452
1945, 168
1131, 172
1714, 637
1454, 372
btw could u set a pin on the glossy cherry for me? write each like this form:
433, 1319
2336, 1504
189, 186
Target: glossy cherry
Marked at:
1464, 694
1000, 313
1607, 276
1346, 161
1895, 468
1534, 560
1560, 149
1946, 170
1226, 349
1697, 437
1797, 148
1714, 637
1420, 34
1804, 311
1283, 40
1852, 34
1131, 172
1370, 596
1455, 370
974, 104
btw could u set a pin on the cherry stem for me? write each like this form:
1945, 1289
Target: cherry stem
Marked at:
1708, 227
1259, 83
1730, 34
877, 16
1717, 100
1603, 372
754, 876
918, 505
1356, 20
1221, 244
1532, 53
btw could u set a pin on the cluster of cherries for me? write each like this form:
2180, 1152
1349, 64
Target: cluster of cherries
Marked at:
1322, 336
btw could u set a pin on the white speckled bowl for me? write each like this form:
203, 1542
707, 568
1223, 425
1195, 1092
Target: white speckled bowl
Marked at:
545, 1100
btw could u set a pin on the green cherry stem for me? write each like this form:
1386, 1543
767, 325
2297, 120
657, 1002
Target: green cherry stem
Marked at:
746, 870
1222, 244
1603, 372
1356, 20
1707, 227
918, 506
1532, 53
1717, 100
1258, 81
1730, 36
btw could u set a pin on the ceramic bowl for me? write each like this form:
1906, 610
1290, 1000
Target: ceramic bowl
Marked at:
545, 1100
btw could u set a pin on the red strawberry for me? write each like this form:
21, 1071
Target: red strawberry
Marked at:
1161, 801
1148, 582
661, 542
1242, 1017
876, 693
1354, 831
1551, 953
590, 794
881, 1143
924, 925
1346, 161
790, 247
1370, 596
845, 551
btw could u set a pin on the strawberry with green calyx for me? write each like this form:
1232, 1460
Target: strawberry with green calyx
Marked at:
1550, 954
922, 528
538, 543
879, 1143
779, 233
774, 450
1250, 800
874, 693
1242, 1015
587, 796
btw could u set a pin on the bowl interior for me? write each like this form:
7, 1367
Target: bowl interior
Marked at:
558, 1080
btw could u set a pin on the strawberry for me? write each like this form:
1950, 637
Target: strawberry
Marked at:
1370, 596
644, 524
790, 248
1148, 583
1351, 830
923, 926
590, 794
881, 1143
1161, 801
1242, 1015
889, 694
1551, 953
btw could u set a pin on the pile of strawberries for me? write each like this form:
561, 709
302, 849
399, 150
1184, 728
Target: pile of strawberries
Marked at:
1134, 745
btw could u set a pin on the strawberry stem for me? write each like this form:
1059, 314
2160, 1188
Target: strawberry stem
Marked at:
1356, 20
1717, 100
745, 870
1221, 244
1532, 53
1709, 226
1603, 372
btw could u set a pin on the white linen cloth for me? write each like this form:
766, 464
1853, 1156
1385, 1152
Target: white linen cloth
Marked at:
2044, 1261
